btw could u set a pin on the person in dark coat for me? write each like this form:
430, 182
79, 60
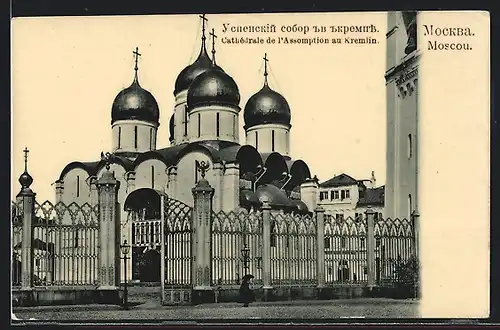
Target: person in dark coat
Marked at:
246, 294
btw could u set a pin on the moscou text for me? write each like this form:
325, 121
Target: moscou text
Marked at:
460, 36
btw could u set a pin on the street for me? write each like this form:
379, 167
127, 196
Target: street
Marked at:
286, 311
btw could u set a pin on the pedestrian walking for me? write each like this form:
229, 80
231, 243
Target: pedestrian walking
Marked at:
246, 294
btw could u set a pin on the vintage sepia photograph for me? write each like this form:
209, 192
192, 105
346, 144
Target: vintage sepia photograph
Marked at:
216, 167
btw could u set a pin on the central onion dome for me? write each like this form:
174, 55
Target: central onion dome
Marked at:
135, 102
213, 87
266, 107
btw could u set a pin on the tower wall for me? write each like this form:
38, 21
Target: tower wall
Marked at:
401, 196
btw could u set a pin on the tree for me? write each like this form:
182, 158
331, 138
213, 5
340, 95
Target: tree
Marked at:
407, 275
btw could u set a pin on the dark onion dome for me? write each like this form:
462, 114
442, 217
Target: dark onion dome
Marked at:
25, 179
189, 73
213, 87
266, 107
134, 102
171, 127
275, 196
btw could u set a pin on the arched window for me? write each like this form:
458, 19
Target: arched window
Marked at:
410, 147
185, 121
410, 206
151, 139
199, 125
272, 140
152, 176
135, 137
77, 186
256, 140
119, 137
217, 124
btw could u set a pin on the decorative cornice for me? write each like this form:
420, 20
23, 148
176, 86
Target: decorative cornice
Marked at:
406, 75
407, 61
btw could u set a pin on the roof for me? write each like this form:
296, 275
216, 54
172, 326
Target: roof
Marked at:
373, 197
37, 243
340, 180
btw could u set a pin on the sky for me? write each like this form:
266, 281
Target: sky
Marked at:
66, 72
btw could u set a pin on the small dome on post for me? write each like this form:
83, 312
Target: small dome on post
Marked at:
25, 178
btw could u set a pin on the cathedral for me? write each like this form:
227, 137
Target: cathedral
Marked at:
204, 129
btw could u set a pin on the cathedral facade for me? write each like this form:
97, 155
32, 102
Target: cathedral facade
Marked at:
204, 129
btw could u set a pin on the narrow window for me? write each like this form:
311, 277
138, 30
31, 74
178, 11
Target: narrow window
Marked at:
410, 206
256, 140
217, 124
76, 238
135, 137
185, 121
410, 151
199, 125
342, 194
152, 176
272, 140
119, 137
234, 126
195, 171
327, 242
347, 194
151, 139
77, 186
332, 195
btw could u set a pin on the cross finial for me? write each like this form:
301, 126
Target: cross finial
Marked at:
26, 151
213, 45
203, 20
265, 68
136, 54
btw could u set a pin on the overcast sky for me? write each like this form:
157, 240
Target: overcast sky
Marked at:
67, 71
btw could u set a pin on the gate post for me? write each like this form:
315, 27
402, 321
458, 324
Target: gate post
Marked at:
266, 248
320, 253
202, 219
109, 254
370, 247
28, 198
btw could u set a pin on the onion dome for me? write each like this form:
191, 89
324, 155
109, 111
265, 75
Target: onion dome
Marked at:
171, 128
134, 102
274, 195
266, 107
25, 180
200, 65
213, 87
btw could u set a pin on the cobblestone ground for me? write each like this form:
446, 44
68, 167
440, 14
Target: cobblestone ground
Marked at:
286, 311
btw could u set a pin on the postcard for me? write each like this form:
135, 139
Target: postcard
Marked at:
250, 167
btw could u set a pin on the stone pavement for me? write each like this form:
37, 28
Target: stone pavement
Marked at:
285, 311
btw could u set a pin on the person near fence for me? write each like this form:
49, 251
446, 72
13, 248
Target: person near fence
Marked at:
246, 294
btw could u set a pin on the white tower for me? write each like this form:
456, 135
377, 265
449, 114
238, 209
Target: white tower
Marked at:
401, 191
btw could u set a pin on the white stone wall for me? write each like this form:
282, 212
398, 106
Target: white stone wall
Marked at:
123, 136
151, 174
76, 187
260, 137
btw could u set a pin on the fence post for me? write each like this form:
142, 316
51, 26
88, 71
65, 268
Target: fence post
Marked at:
109, 254
28, 198
320, 252
370, 247
202, 219
266, 248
